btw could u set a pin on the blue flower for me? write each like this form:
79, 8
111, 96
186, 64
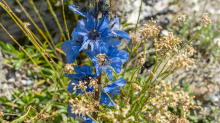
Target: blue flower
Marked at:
72, 49
81, 11
114, 24
112, 90
107, 57
83, 74
85, 118
94, 34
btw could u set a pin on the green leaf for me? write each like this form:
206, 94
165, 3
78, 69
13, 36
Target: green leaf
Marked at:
127, 25
60, 105
47, 72
216, 111
11, 47
49, 108
3, 46
64, 117
19, 64
128, 49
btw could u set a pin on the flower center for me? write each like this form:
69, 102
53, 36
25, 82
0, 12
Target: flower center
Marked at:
94, 35
102, 59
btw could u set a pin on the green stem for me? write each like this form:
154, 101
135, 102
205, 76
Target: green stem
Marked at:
55, 17
64, 17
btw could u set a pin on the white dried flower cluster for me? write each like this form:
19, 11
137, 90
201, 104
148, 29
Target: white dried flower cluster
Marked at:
135, 40
168, 43
150, 30
2, 114
183, 58
206, 20
165, 97
87, 82
141, 61
136, 87
69, 68
182, 18
115, 115
83, 107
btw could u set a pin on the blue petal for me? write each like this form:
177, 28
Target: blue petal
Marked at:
85, 44
74, 76
108, 72
92, 45
98, 70
86, 69
113, 42
71, 49
89, 120
103, 49
90, 54
82, 25
120, 82
74, 9
103, 24
116, 64
91, 22
115, 23
123, 34
69, 112
123, 55
70, 86
105, 99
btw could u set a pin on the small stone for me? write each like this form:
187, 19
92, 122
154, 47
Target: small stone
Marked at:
17, 74
5, 86
11, 80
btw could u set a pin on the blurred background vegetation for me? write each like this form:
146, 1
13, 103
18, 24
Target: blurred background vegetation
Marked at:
37, 90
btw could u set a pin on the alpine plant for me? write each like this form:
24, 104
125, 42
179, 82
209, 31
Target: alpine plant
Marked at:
97, 38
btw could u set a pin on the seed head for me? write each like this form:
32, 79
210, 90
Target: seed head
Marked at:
206, 20
69, 68
137, 87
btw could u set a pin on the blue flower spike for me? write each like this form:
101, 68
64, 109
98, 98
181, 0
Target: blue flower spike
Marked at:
107, 57
83, 74
111, 90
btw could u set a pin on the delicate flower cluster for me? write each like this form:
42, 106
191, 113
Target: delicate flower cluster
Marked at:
206, 20
69, 68
182, 18
183, 58
168, 43
115, 115
82, 107
137, 87
2, 114
135, 40
164, 97
151, 30
96, 37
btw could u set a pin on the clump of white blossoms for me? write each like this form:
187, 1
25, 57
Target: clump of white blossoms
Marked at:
169, 43
182, 18
183, 58
117, 114
206, 20
82, 106
136, 87
163, 97
69, 68
150, 30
